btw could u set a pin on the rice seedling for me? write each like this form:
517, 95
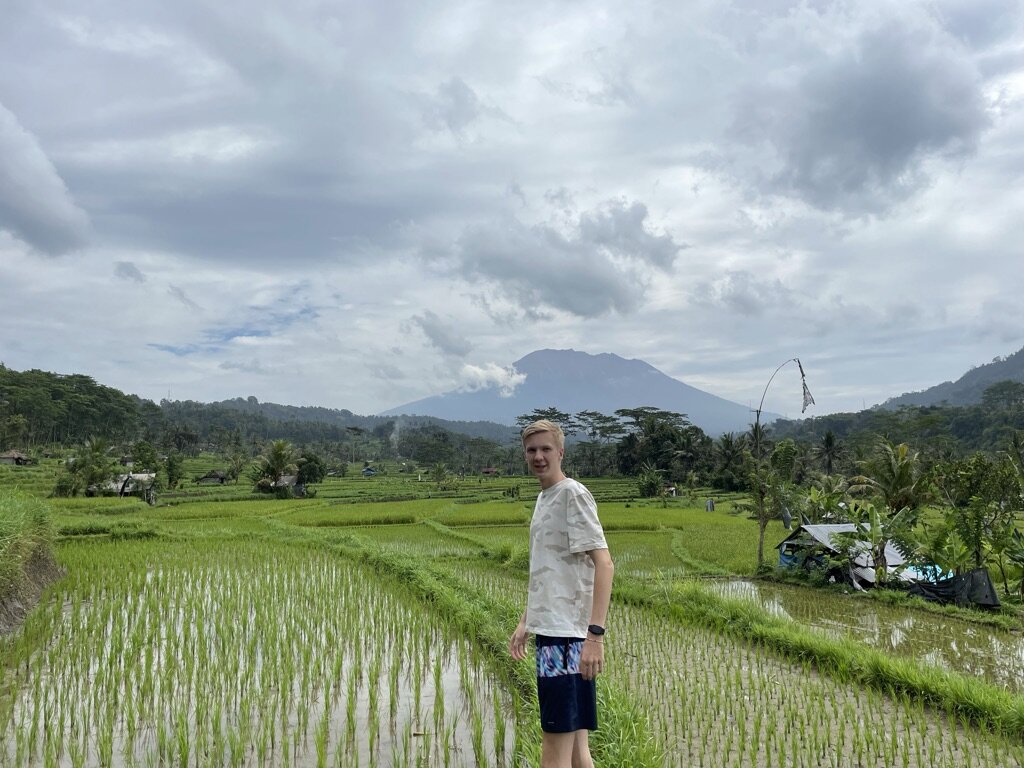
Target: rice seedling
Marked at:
991, 653
777, 712
226, 652
245, 633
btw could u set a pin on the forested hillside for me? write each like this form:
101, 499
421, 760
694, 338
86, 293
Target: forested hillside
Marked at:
39, 408
937, 429
969, 388
345, 418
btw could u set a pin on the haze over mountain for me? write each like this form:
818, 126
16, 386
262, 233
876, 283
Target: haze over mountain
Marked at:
576, 381
966, 390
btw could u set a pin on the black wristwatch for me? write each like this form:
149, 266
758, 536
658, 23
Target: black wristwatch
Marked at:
596, 630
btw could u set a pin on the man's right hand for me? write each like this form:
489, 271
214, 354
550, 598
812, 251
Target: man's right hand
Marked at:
517, 643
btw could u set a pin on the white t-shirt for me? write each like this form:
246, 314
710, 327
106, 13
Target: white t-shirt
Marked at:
563, 530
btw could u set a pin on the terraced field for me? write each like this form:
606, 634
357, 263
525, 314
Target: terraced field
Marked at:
367, 626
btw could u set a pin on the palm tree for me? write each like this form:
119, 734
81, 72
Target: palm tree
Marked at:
730, 456
769, 496
1016, 453
829, 451
237, 463
93, 464
894, 475
758, 439
278, 460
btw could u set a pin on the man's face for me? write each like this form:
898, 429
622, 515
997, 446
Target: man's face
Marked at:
544, 457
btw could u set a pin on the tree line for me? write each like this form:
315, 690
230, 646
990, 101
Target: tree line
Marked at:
941, 431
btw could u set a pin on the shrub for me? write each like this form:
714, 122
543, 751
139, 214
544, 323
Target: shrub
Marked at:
648, 482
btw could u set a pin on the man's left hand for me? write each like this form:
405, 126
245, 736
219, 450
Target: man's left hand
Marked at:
592, 658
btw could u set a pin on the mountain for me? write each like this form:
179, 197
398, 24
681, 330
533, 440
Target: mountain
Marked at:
968, 388
577, 381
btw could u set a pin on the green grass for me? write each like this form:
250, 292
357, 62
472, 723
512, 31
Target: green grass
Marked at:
644, 555
26, 533
320, 512
463, 557
33, 480
727, 541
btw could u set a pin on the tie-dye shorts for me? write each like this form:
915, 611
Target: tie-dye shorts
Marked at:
567, 701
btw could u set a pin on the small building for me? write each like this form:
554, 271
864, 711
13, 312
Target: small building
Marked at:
131, 484
809, 546
15, 457
490, 471
213, 477
291, 481
368, 471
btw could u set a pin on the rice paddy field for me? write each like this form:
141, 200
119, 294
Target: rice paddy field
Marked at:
367, 626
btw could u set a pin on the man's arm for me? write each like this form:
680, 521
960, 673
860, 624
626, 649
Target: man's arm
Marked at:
592, 657
604, 570
517, 643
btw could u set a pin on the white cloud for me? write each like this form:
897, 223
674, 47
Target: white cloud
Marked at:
217, 144
601, 264
407, 197
490, 375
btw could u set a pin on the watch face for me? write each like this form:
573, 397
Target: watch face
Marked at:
594, 629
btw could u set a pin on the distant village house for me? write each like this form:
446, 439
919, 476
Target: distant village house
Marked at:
15, 457
213, 477
141, 484
291, 481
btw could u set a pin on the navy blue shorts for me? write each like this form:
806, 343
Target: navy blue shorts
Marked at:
567, 702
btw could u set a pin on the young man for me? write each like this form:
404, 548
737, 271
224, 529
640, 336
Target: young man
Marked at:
570, 588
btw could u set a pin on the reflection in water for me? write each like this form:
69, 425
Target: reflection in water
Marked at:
986, 652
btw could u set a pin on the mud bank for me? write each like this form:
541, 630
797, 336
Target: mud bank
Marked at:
41, 571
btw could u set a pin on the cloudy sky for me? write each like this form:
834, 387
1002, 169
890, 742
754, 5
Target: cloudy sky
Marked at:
356, 204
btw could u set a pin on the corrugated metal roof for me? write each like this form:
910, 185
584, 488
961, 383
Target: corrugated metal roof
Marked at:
823, 535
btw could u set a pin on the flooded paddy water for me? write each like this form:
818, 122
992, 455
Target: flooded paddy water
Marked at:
224, 648
987, 652
719, 701
715, 700
245, 654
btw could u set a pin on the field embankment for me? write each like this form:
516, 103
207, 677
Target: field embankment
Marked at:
27, 564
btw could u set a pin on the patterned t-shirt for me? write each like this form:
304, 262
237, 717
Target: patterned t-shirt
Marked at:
563, 530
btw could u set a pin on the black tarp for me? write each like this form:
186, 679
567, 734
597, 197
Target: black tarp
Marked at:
974, 587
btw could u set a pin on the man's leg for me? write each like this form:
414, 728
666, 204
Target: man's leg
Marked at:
581, 750
558, 750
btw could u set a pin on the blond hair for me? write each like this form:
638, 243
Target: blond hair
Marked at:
545, 426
